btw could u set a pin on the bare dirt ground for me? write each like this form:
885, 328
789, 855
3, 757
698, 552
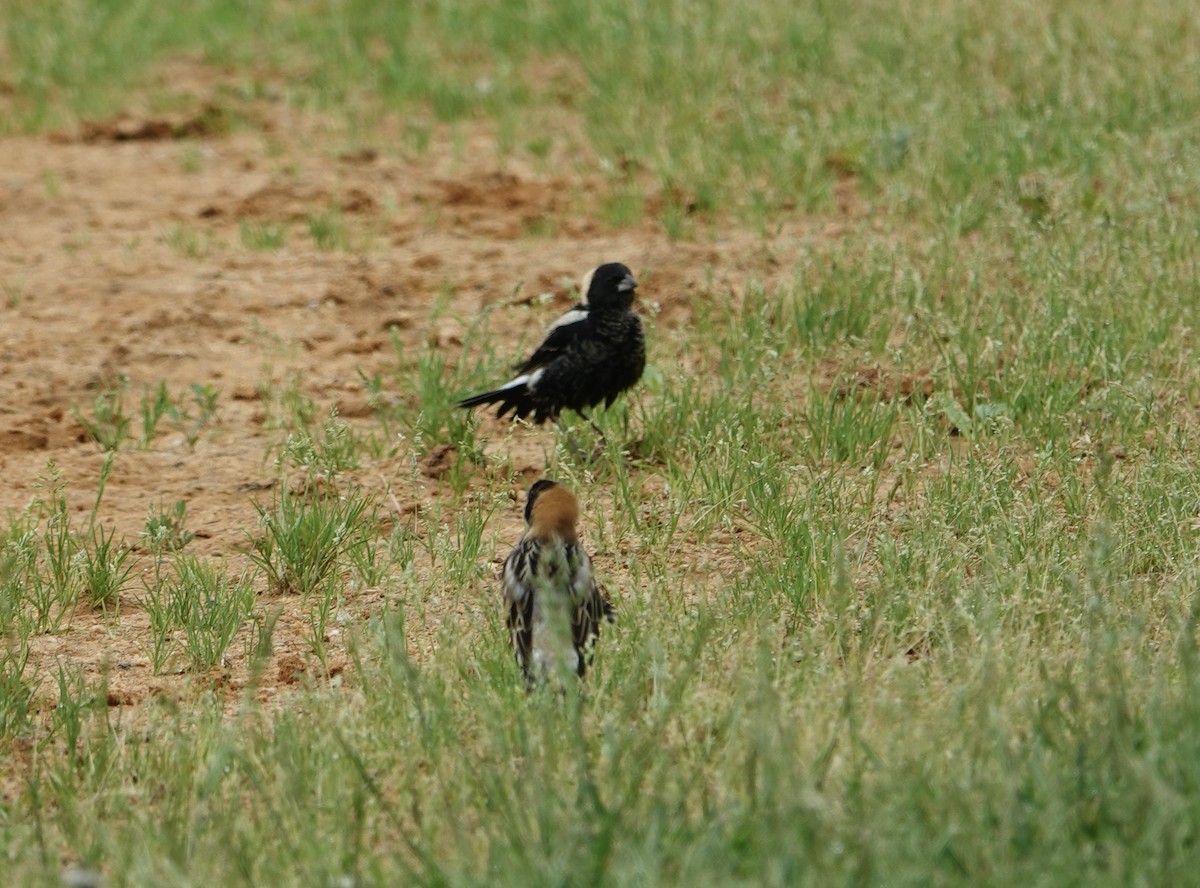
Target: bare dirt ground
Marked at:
98, 284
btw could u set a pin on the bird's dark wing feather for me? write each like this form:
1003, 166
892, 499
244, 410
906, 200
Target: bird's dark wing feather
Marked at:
517, 397
567, 330
512, 399
586, 624
519, 567
520, 629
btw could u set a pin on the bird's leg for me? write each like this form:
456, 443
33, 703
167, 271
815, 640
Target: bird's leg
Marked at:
603, 439
599, 433
575, 451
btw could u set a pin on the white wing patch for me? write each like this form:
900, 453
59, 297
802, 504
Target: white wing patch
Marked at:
515, 383
525, 380
574, 316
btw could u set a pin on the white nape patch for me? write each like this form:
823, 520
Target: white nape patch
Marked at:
572, 317
585, 285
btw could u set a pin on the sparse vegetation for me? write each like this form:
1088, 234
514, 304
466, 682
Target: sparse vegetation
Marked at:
108, 424
263, 235
327, 229
14, 291
188, 241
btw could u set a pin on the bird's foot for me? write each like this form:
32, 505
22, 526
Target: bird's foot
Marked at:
603, 439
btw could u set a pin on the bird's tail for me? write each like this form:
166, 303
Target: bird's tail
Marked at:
484, 398
513, 397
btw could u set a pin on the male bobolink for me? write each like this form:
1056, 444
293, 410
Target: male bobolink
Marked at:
554, 603
591, 354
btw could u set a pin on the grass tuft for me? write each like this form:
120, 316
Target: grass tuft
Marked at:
305, 538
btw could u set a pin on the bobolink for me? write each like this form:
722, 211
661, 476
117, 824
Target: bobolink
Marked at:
554, 603
591, 354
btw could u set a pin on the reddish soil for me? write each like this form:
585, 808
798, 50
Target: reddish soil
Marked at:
96, 287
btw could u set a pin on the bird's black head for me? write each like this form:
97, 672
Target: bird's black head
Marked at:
610, 286
539, 487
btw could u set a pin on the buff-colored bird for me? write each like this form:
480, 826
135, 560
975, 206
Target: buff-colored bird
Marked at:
554, 603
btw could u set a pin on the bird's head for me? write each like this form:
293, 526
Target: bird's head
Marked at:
551, 509
611, 286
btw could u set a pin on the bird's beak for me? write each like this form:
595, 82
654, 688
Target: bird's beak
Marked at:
627, 284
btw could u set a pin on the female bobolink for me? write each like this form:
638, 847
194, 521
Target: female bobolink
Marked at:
591, 354
554, 603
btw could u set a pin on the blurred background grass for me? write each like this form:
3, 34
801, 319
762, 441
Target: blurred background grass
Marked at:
941, 109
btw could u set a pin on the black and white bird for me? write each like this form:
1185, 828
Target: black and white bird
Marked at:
591, 354
554, 602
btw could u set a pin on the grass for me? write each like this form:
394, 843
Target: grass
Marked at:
109, 424
327, 229
760, 104
905, 557
263, 235
304, 537
188, 241
209, 605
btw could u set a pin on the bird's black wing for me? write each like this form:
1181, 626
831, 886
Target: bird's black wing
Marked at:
563, 333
